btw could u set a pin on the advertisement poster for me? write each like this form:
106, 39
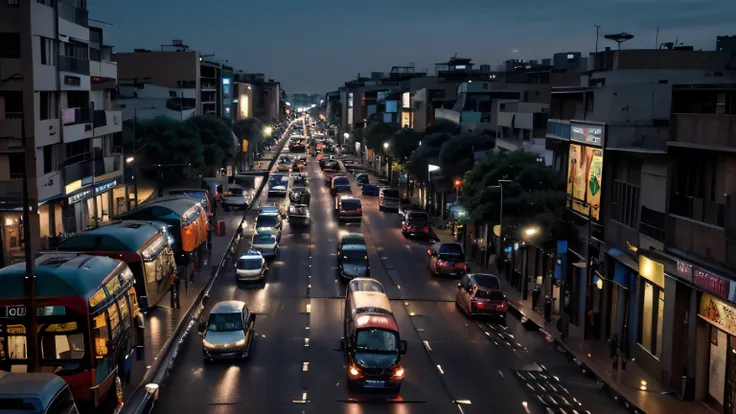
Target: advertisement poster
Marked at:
406, 119
584, 178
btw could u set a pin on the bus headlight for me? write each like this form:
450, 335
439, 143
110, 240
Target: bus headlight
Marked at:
399, 372
354, 371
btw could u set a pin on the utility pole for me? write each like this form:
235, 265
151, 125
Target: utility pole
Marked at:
597, 31
29, 205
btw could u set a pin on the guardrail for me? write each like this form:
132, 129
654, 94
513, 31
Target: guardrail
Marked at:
144, 397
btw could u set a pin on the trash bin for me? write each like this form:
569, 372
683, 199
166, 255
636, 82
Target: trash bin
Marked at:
220, 227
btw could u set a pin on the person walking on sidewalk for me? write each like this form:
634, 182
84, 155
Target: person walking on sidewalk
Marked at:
175, 283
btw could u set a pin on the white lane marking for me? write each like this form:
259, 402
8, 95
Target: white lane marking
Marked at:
306, 342
426, 345
309, 308
501, 373
305, 366
439, 368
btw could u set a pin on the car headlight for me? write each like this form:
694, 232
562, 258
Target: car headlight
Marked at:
207, 344
354, 370
399, 372
242, 342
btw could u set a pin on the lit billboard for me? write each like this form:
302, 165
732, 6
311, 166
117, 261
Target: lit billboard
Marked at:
584, 179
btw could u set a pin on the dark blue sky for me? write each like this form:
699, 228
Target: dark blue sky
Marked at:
314, 46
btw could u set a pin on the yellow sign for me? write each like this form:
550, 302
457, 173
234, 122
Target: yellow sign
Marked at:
73, 186
718, 313
651, 270
584, 179
245, 145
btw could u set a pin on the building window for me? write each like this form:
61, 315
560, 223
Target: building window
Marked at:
651, 223
75, 50
698, 185
16, 166
72, 80
625, 203
47, 105
50, 158
48, 51
651, 317
9, 45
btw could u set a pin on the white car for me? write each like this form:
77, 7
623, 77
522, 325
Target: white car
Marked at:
251, 267
265, 242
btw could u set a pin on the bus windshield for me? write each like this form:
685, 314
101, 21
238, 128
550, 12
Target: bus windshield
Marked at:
225, 322
377, 340
60, 341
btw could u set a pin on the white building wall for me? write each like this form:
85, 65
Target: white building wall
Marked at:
42, 20
68, 29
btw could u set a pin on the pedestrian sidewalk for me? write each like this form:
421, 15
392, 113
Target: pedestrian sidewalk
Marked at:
636, 388
162, 320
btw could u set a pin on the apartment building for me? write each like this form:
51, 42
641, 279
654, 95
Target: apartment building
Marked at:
242, 103
165, 83
648, 199
58, 126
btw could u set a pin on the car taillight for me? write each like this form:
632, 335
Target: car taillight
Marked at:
359, 211
504, 305
441, 263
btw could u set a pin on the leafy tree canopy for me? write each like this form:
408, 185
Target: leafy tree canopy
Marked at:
376, 134
251, 130
535, 197
428, 151
217, 139
443, 126
457, 155
169, 142
403, 143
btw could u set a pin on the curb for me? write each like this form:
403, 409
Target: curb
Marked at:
586, 369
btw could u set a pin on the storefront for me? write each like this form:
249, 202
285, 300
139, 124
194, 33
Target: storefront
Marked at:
721, 351
649, 320
12, 237
620, 273
93, 206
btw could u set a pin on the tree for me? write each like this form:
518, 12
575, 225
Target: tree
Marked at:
428, 152
251, 130
217, 140
166, 141
376, 134
534, 197
403, 143
442, 126
457, 155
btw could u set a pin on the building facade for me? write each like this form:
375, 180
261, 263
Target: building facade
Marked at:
58, 124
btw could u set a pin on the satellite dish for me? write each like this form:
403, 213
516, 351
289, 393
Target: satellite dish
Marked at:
619, 38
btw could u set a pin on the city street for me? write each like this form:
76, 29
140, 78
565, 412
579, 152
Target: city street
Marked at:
453, 364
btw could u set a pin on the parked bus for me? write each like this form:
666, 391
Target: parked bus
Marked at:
200, 194
141, 245
87, 310
371, 341
188, 221
36, 392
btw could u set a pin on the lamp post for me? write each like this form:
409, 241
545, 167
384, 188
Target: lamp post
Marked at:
388, 162
528, 234
499, 248
430, 168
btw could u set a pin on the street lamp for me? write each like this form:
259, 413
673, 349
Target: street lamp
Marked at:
130, 160
531, 231
346, 135
430, 168
385, 145
267, 131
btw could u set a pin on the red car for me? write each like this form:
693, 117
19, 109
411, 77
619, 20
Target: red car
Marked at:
447, 259
415, 223
480, 294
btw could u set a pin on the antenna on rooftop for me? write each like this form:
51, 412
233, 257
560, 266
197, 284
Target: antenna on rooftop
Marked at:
619, 38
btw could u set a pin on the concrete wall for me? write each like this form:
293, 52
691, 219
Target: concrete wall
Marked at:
163, 68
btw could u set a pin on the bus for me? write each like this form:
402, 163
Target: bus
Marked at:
87, 314
143, 246
371, 341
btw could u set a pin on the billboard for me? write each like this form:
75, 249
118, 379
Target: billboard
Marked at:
406, 119
584, 179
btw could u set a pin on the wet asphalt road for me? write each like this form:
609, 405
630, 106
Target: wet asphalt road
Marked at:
453, 364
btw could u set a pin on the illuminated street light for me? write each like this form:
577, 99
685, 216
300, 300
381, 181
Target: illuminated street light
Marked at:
431, 167
346, 135
385, 145
267, 131
531, 231
130, 160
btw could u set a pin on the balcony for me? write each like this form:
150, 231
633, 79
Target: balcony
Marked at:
108, 167
73, 116
78, 171
704, 131
698, 209
11, 125
73, 14
104, 70
701, 240
208, 86
11, 190
107, 122
74, 65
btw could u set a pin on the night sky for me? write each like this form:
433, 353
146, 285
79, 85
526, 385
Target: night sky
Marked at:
314, 46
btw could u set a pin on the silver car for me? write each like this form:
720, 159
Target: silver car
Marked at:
266, 243
251, 267
228, 332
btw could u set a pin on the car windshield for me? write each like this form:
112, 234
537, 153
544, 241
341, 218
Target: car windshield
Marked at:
225, 322
341, 181
350, 205
249, 264
391, 193
492, 294
264, 238
376, 340
355, 256
451, 248
420, 218
267, 221
487, 281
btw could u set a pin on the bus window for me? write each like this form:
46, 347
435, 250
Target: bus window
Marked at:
124, 311
114, 318
62, 341
17, 342
113, 286
101, 335
97, 298
133, 301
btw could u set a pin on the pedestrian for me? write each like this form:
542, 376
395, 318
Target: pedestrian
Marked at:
177, 284
174, 293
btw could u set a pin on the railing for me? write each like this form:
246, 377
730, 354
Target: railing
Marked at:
208, 85
73, 14
100, 118
14, 115
73, 116
78, 171
698, 209
143, 399
74, 65
652, 223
